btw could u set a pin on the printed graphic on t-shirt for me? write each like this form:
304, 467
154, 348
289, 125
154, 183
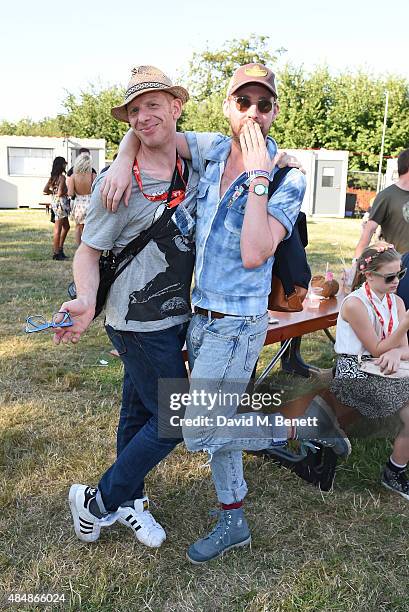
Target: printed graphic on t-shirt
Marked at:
405, 211
167, 293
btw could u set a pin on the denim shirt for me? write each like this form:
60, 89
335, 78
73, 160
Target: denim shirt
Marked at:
221, 281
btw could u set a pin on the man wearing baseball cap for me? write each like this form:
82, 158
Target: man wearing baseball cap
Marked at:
148, 307
237, 232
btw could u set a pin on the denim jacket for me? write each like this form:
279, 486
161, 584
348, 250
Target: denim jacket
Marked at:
221, 281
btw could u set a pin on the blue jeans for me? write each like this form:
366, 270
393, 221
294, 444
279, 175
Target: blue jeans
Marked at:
222, 356
147, 357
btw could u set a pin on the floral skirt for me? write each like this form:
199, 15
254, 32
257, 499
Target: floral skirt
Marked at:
373, 396
60, 207
79, 207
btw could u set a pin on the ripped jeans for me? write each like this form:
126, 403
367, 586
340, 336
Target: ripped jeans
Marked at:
222, 356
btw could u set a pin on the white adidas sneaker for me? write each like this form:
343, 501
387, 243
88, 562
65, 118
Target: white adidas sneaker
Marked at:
86, 525
140, 520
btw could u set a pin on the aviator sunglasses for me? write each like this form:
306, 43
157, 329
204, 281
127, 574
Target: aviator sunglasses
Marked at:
389, 278
243, 103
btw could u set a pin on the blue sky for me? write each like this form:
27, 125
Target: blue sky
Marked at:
47, 48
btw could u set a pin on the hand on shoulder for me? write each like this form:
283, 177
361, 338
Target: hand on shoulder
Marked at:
116, 184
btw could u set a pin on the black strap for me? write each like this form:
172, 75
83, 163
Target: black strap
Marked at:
137, 244
277, 178
285, 272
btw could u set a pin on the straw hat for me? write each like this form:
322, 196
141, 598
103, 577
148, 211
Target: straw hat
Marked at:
144, 79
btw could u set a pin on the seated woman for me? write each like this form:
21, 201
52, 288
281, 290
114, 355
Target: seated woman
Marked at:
373, 322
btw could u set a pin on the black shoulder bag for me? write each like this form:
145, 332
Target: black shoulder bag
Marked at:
110, 264
291, 272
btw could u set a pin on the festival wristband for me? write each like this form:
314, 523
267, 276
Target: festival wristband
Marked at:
252, 174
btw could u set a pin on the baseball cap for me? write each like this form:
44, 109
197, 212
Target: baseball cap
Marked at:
252, 73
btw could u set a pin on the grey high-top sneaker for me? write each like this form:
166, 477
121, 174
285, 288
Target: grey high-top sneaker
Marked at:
324, 428
231, 530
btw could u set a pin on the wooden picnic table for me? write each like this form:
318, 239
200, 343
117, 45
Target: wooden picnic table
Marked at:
290, 329
293, 324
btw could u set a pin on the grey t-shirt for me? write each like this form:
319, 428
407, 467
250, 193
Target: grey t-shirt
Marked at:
153, 292
391, 211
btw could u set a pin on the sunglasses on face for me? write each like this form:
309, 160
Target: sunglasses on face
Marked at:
389, 278
243, 103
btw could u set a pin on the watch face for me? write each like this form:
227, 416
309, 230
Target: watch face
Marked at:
260, 189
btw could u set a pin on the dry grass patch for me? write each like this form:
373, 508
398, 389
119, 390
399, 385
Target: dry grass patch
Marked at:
343, 550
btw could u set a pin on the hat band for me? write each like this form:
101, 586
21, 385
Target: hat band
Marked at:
149, 85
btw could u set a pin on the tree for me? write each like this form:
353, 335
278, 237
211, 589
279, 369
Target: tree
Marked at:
304, 106
89, 115
209, 70
317, 108
208, 75
204, 115
49, 126
344, 111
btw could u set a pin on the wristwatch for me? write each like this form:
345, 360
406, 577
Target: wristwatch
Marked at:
259, 189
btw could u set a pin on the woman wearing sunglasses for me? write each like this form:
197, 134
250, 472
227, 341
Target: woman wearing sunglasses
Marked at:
373, 322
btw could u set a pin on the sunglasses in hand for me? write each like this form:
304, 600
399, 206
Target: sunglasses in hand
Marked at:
38, 323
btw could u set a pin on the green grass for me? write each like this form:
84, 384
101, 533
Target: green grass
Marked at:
345, 550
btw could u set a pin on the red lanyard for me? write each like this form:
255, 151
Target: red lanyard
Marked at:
175, 197
378, 314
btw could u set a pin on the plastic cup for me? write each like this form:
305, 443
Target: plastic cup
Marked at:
315, 296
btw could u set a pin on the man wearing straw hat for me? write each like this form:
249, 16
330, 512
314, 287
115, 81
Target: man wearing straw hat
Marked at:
238, 230
148, 307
